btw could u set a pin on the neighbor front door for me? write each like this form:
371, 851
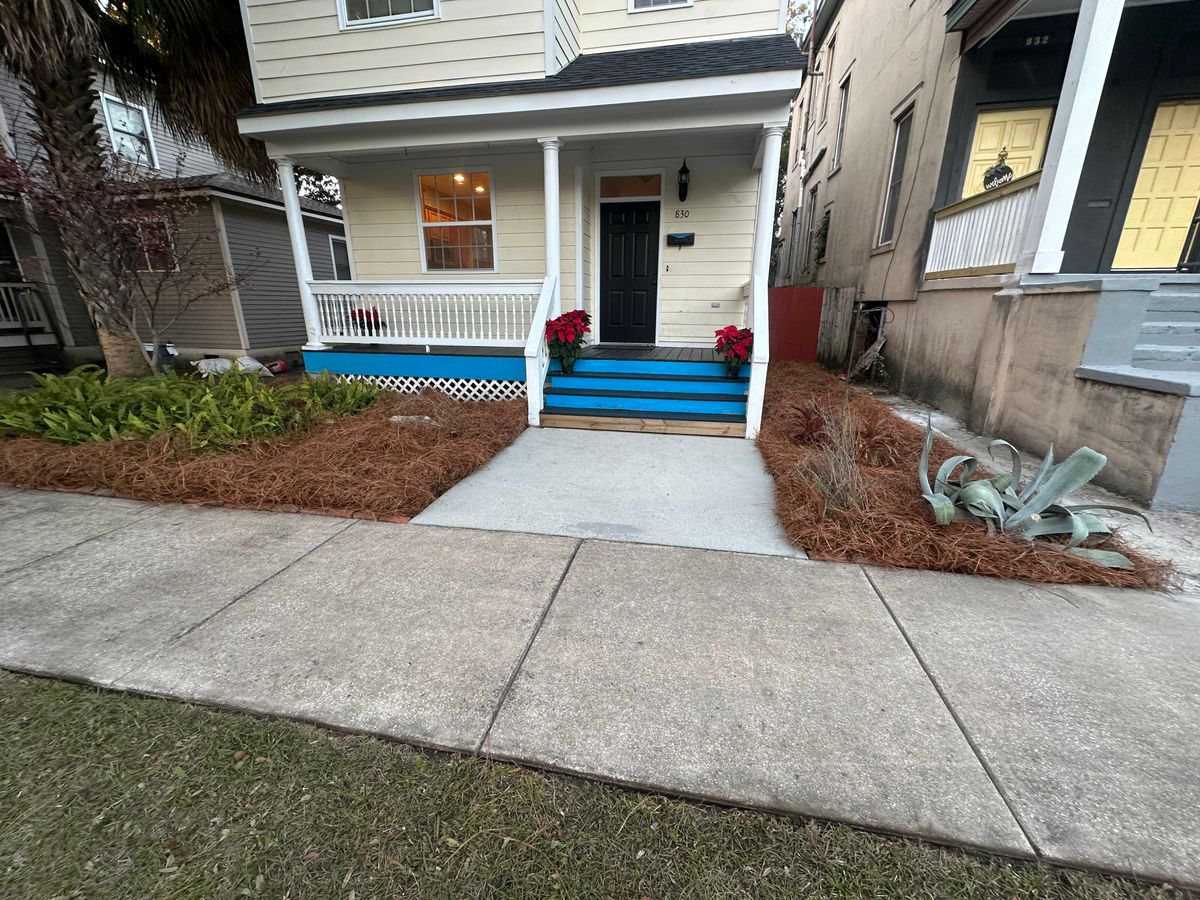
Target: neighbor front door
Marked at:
628, 272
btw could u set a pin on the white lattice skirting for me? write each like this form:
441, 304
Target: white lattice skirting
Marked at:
458, 388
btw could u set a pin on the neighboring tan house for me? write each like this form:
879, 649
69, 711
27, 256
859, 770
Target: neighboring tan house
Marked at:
1017, 182
44, 323
500, 163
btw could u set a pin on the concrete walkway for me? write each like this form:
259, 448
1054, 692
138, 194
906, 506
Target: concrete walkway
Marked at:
671, 489
1055, 723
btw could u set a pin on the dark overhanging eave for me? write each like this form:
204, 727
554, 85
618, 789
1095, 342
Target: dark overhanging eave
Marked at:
622, 68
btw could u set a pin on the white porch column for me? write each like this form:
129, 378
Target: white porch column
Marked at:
768, 182
764, 238
1087, 68
550, 148
295, 221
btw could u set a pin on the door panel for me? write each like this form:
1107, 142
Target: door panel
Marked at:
1166, 192
1022, 132
629, 272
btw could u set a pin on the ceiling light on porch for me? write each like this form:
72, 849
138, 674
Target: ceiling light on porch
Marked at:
480, 189
460, 178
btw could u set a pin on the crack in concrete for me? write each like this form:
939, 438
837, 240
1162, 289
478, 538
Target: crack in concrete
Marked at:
962, 727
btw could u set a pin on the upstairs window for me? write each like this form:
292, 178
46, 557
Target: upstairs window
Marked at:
129, 131
840, 141
891, 200
642, 5
385, 12
458, 222
340, 251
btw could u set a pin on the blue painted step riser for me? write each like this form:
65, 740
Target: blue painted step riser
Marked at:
650, 367
637, 405
651, 385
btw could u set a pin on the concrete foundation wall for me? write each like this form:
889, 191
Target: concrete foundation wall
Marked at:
1004, 360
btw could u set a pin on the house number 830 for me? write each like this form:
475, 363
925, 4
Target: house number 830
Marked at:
682, 213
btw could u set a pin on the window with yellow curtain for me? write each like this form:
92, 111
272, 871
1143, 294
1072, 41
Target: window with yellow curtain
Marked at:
458, 226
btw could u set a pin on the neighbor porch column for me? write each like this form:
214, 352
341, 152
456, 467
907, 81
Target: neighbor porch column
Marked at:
295, 221
550, 148
1087, 69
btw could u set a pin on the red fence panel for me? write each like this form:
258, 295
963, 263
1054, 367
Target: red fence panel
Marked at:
795, 322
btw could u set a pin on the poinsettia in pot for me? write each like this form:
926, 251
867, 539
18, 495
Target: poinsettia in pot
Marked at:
564, 336
735, 345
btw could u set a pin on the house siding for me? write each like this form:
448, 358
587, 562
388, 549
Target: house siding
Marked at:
609, 25
567, 36
381, 217
301, 51
261, 254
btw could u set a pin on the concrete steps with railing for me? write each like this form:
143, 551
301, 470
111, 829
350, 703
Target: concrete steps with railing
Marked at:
651, 395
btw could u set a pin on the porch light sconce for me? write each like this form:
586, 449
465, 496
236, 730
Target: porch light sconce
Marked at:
685, 178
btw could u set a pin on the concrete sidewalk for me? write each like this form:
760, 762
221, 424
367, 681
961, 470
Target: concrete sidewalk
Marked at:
1060, 723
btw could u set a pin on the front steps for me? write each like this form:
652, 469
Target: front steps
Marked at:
660, 396
1169, 339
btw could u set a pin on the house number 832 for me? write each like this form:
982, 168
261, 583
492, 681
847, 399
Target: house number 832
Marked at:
683, 213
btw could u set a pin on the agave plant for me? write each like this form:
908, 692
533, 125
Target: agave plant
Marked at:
1032, 511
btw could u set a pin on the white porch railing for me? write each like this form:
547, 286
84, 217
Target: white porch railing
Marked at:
469, 314
20, 306
981, 235
537, 353
759, 320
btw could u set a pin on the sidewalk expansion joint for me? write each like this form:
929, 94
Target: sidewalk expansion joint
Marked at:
537, 629
962, 727
95, 537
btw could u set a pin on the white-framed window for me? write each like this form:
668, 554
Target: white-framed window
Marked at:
457, 213
810, 225
339, 251
902, 133
828, 72
156, 247
645, 5
359, 13
10, 262
129, 130
840, 138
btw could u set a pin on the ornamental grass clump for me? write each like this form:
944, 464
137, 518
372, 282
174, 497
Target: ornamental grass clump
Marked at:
85, 405
1033, 511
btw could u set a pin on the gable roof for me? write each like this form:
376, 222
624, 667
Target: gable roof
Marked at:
738, 56
229, 183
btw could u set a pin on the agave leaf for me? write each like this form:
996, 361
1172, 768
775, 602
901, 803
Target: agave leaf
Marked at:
1014, 457
1062, 525
1043, 472
1121, 509
982, 500
968, 463
923, 465
1107, 558
943, 508
1077, 469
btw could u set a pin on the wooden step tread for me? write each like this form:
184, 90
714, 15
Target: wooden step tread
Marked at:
647, 425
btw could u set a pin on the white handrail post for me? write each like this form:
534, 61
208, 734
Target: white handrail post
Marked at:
1087, 69
295, 221
550, 148
536, 360
764, 239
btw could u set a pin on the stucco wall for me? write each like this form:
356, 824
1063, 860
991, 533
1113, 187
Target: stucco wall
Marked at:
1004, 361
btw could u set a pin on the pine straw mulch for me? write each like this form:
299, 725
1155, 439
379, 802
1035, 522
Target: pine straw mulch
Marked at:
363, 465
895, 526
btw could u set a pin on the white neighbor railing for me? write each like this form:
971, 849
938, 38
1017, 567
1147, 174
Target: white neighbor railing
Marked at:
758, 320
436, 313
981, 235
537, 353
20, 303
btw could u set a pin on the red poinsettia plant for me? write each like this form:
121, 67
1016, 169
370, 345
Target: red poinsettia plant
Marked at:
564, 336
735, 345
366, 320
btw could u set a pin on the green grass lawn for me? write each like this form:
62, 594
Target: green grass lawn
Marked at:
105, 796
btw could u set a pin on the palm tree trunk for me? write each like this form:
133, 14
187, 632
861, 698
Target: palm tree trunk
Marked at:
67, 131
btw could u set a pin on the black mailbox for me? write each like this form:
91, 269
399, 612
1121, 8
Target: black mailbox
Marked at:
687, 239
